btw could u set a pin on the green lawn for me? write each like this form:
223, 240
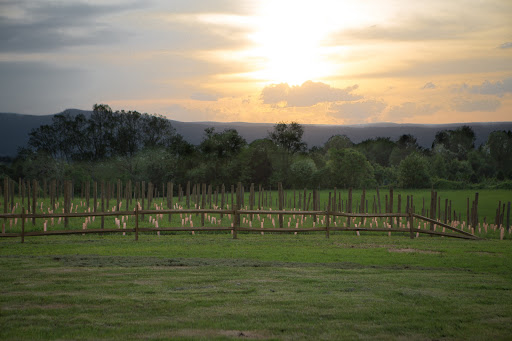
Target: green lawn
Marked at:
209, 286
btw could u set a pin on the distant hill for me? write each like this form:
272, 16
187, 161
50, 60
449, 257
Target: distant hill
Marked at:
14, 130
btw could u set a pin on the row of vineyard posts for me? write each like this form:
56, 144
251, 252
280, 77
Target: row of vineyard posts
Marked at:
203, 196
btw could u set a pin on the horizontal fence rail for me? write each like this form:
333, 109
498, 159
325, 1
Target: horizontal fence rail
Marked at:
236, 226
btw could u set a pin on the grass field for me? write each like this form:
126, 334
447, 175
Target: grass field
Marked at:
209, 286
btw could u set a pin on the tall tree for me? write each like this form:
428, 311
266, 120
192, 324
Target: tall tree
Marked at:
349, 168
499, 147
459, 141
413, 172
101, 131
288, 137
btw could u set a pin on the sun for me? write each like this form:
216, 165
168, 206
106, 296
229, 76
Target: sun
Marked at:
290, 39
287, 41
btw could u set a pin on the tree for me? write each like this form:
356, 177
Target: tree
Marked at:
257, 161
302, 172
459, 141
349, 168
105, 134
101, 131
338, 142
288, 137
377, 150
413, 172
499, 148
405, 145
219, 155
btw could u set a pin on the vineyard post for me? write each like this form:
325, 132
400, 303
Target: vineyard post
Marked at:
508, 216
170, 193
136, 221
34, 199
203, 202
95, 196
22, 224
102, 203
280, 199
327, 217
391, 206
236, 207
222, 199
411, 222
6, 200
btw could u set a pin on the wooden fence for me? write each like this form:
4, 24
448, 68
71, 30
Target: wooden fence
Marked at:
236, 226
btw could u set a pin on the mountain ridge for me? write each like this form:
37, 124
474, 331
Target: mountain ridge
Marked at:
15, 129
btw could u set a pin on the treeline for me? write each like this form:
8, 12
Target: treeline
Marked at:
133, 146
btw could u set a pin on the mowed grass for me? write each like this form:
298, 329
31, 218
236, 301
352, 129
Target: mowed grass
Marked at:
209, 286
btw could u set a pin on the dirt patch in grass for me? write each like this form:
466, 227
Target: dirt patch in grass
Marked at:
70, 263
209, 333
363, 246
486, 253
25, 306
408, 250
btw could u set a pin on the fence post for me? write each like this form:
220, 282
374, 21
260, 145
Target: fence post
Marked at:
280, 197
137, 221
508, 216
327, 217
236, 207
23, 224
411, 222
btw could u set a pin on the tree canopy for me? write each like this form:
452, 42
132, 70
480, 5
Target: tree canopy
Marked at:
132, 145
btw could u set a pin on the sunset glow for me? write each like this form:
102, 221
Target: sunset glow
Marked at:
333, 62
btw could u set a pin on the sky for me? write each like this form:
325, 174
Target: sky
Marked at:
312, 62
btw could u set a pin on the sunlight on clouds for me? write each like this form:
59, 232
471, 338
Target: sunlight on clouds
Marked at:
289, 38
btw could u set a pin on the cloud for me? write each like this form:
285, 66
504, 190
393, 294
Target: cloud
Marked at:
429, 85
468, 105
410, 109
506, 45
307, 94
200, 96
45, 26
358, 110
180, 113
414, 28
498, 88
28, 26
455, 66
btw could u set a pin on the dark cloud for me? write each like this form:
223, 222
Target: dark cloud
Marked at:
469, 105
46, 26
429, 85
49, 26
506, 45
307, 94
358, 110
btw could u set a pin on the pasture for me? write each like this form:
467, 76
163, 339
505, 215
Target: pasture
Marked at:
206, 285
209, 286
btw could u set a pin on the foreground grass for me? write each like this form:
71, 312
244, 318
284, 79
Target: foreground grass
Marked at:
270, 287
